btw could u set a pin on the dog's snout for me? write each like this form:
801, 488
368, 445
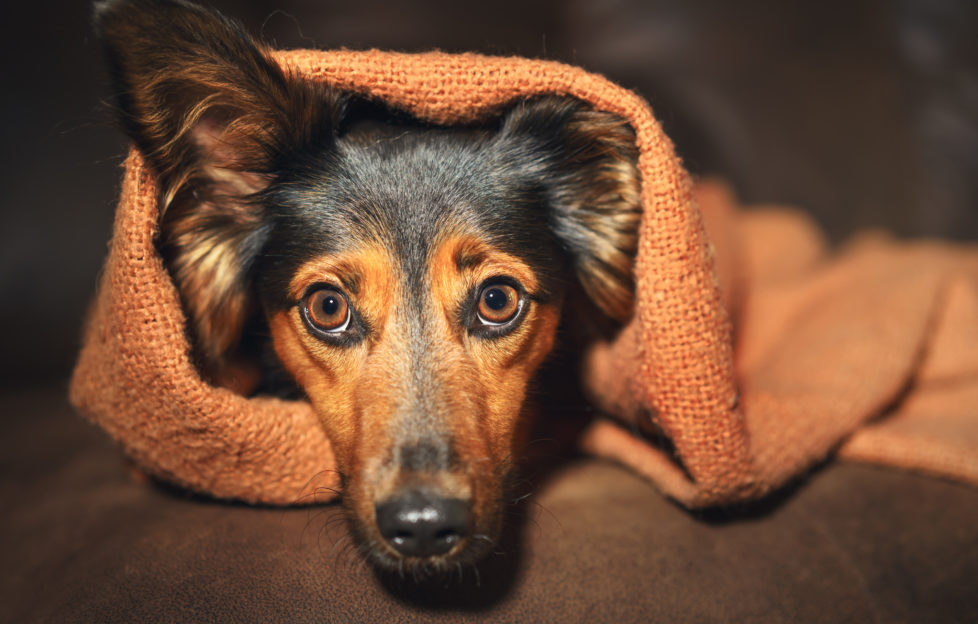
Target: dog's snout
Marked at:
417, 524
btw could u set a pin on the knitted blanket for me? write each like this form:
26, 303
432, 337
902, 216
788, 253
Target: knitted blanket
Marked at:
752, 355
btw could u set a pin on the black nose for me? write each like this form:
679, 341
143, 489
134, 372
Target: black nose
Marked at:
419, 525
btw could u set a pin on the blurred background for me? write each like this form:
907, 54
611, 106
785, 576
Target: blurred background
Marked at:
863, 112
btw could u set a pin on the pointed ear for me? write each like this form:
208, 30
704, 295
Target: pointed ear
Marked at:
587, 164
215, 116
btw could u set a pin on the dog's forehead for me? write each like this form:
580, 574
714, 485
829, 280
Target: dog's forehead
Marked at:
415, 185
406, 190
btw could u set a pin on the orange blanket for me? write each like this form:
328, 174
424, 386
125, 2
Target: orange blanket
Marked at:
755, 354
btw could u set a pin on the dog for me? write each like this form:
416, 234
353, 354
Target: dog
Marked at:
409, 278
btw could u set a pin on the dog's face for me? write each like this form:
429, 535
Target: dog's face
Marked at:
406, 293
411, 278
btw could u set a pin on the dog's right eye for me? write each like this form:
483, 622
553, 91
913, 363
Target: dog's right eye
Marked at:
326, 310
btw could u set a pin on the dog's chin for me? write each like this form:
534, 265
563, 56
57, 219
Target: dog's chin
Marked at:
466, 555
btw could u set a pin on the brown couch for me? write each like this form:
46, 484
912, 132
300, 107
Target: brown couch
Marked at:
83, 541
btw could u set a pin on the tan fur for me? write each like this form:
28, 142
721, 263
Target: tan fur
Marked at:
355, 391
212, 111
204, 240
610, 209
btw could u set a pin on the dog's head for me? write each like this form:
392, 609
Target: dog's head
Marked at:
411, 277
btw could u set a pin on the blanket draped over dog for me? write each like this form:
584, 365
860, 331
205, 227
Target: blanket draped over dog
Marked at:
751, 356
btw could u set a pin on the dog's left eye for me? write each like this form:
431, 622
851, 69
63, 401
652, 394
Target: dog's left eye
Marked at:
498, 304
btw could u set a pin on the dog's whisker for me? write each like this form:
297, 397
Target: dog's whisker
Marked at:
302, 500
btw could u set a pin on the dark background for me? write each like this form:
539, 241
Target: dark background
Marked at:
863, 112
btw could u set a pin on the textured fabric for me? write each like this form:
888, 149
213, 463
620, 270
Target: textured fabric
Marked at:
822, 345
82, 542
881, 332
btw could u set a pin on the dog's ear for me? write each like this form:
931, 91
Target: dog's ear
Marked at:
586, 164
215, 117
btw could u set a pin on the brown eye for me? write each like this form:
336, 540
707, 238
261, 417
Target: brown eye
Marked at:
327, 310
498, 304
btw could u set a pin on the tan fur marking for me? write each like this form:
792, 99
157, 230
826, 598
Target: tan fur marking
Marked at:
357, 390
503, 366
332, 376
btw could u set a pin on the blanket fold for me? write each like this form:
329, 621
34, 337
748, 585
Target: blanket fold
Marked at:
752, 350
